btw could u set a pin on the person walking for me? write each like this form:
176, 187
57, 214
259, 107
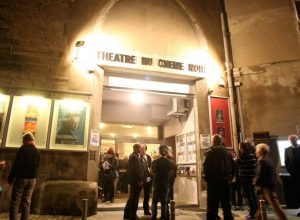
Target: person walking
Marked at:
135, 174
22, 177
292, 164
147, 160
218, 170
161, 169
265, 181
246, 163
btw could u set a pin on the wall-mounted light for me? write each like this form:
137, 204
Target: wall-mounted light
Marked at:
78, 44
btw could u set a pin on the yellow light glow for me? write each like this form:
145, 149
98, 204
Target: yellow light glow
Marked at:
101, 125
73, 105
135, 135
149, 131
2, 98
127, 126
112, 134
137, 98
33, 100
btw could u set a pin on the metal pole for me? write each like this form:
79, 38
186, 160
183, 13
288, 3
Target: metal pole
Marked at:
84, 209
172, 209
238, 92
263, 212
226, 41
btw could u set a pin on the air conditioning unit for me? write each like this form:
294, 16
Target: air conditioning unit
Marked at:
179, 107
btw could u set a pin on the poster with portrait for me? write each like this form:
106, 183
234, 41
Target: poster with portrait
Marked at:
205, 140
181, 152
70, 125
191, 147
219, 116
221, 131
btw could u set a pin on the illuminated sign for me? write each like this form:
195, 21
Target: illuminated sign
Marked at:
150, 63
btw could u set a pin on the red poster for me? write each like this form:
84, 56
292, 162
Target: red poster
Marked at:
220, 118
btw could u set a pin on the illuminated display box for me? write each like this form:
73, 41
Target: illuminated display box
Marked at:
29, 114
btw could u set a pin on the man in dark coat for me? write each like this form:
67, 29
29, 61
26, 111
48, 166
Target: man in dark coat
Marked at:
135, 174
147, 160
161, 169
218, 170
292, 164
23, 177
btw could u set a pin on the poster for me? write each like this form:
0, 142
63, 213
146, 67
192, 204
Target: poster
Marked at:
70, 125
181, 149
2, 111
31, 117
191, 147
220, 119
205, 140
219, 116
95, 136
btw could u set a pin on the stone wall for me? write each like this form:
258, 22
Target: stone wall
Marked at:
266, 52
54, 165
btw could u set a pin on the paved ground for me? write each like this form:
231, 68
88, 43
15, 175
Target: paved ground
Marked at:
181, 214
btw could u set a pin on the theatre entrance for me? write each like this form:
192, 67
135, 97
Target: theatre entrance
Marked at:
150, 117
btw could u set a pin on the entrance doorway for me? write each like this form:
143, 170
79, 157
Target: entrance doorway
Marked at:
148, 117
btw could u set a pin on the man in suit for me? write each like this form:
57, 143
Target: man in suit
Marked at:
136, 176
147, 160
292, 163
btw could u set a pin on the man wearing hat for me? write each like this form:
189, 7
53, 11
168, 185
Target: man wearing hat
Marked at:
22, 177
161, 169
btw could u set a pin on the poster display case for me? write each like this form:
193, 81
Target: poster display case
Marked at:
4, 101
28, 114
70, 125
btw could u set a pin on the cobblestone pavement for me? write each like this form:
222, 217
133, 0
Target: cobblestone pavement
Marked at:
181, 214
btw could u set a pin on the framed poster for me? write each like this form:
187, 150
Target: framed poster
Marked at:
95, 136
191, 147
29, 114
219, 116
220, 122
181, 152
70, 125
205, 140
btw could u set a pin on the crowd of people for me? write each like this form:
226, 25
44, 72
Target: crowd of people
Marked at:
251, 174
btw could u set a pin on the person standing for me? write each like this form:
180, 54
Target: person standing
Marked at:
22, 177
2, 166
292, 164
246, 163
109, 174
135, 174
161, 169
265, 181
218, 170
147, 160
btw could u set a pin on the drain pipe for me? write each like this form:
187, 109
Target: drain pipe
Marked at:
229, 72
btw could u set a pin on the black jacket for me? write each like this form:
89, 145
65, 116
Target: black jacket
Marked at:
135, 169
26, 163
246, 164
218, 164
292, 160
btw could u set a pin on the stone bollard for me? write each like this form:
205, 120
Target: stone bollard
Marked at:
262, 206
172, 209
